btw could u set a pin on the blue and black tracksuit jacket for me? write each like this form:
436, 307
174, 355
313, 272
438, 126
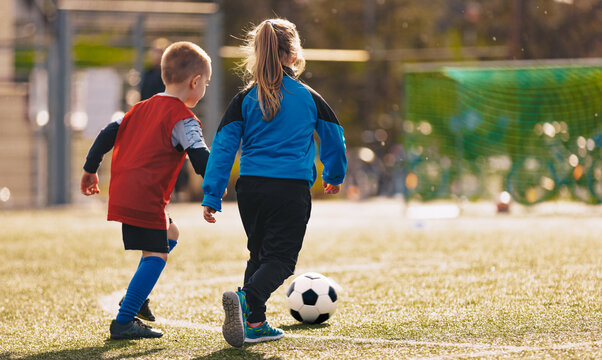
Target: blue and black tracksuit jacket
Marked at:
280, 148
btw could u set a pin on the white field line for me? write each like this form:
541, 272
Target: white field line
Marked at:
109, 304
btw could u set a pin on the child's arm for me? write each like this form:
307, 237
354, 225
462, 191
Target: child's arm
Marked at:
103, 144
223, 152
188, 136
332, 146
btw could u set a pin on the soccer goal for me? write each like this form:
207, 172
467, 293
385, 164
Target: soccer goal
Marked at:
536, 126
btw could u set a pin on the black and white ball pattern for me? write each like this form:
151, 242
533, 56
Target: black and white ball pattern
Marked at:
312, 298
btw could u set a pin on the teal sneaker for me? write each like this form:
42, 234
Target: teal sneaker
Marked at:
243, 305
237, 311
265, 332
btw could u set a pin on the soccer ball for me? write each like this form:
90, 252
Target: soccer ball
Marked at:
312, 298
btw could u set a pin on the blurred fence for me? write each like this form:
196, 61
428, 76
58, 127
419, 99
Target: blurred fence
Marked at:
17, 161
73, 70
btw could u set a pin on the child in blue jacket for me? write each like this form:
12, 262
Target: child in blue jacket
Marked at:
273, 122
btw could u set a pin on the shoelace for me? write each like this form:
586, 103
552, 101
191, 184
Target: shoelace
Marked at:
265, 329
139, 322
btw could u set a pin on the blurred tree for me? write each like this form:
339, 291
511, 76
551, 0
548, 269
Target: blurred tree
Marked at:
368, 95
562, 29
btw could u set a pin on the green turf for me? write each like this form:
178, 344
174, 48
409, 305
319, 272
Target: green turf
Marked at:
525, 286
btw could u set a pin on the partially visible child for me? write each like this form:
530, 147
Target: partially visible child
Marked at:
274, 118
149, 146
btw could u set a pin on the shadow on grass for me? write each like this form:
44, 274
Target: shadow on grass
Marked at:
304, 326
94, 352
237, 353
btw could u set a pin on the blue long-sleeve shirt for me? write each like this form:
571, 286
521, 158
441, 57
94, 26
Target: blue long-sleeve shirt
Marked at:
280, 148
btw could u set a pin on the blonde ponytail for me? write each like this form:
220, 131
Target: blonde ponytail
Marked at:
269, 71
267, 46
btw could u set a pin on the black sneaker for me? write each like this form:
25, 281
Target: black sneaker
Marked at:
145, 312
134, 329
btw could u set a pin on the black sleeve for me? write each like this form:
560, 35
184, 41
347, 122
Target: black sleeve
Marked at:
103, 144
198, 158
234, 109
324, 111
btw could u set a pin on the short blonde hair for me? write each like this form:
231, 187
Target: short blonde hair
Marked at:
183, 59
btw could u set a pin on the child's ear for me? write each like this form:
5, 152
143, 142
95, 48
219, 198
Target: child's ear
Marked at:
195, 81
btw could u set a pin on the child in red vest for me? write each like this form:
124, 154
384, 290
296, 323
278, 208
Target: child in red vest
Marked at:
149, 146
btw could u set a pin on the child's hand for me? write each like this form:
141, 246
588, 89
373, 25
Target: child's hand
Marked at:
89, 184
331, 189
208, 214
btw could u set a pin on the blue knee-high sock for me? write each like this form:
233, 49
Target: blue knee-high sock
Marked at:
172, 244
141, 285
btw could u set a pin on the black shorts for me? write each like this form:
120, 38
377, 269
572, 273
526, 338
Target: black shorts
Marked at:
139, 238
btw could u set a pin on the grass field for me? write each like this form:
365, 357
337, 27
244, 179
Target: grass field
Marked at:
521, 286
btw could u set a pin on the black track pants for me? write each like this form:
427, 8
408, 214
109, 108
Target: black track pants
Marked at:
274, 213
